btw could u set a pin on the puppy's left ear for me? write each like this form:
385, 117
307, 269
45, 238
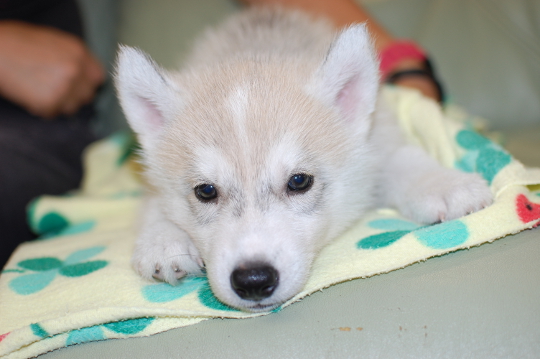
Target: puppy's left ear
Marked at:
348, 79
146, 93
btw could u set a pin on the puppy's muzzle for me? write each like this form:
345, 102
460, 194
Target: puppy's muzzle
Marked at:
254, 281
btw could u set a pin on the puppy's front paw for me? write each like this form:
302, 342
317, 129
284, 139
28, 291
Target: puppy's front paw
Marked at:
446, 195
166, 254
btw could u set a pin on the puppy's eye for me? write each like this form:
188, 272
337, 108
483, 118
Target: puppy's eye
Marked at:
300, 182
205, 192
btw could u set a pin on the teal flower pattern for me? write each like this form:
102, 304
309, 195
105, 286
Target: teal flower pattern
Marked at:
45, 269
164, 292
483, 156
128, 328
99, 332
395, 230
438, 236
54, 224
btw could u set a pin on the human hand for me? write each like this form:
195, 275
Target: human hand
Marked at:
425, 84
46, 71
342, 13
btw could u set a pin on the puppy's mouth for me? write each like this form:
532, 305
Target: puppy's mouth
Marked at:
262, 307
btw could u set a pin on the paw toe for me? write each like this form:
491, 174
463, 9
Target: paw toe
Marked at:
158, 272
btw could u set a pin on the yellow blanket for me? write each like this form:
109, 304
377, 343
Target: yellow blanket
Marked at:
75, 283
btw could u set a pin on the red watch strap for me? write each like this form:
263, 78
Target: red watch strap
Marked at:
391, 55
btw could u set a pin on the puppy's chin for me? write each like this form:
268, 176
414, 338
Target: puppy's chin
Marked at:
263, 306
257, 308
233, 301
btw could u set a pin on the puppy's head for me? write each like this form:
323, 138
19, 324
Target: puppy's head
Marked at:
261, 161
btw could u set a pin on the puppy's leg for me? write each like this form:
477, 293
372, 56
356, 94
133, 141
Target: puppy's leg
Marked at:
424, 191
163, 251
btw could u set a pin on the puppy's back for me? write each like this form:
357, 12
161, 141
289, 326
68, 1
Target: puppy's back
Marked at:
263, 32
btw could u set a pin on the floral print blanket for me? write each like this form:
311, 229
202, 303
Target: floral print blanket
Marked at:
75, 284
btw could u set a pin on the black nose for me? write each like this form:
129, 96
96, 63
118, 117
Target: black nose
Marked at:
254, 281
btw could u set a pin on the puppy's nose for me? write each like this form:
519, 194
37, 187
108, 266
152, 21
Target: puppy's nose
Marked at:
254, 281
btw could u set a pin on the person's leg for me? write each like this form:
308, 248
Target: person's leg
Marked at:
38, 156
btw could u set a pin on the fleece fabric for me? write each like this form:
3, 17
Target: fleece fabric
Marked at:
75, 284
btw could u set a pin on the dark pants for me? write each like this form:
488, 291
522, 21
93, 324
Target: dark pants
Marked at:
37, 156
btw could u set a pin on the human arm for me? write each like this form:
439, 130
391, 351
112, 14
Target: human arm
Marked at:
343, 13
46, 71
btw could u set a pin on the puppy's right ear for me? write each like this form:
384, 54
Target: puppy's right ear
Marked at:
147, 95
349, 77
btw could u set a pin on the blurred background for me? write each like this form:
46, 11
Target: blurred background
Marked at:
487, 52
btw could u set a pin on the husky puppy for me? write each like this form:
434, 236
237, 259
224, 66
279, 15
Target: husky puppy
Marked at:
269, 143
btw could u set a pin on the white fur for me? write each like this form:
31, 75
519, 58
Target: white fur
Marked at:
267, 95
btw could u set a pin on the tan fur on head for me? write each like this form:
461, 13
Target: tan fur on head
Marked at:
267, 96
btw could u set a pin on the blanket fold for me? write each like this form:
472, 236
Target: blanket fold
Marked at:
75, 283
